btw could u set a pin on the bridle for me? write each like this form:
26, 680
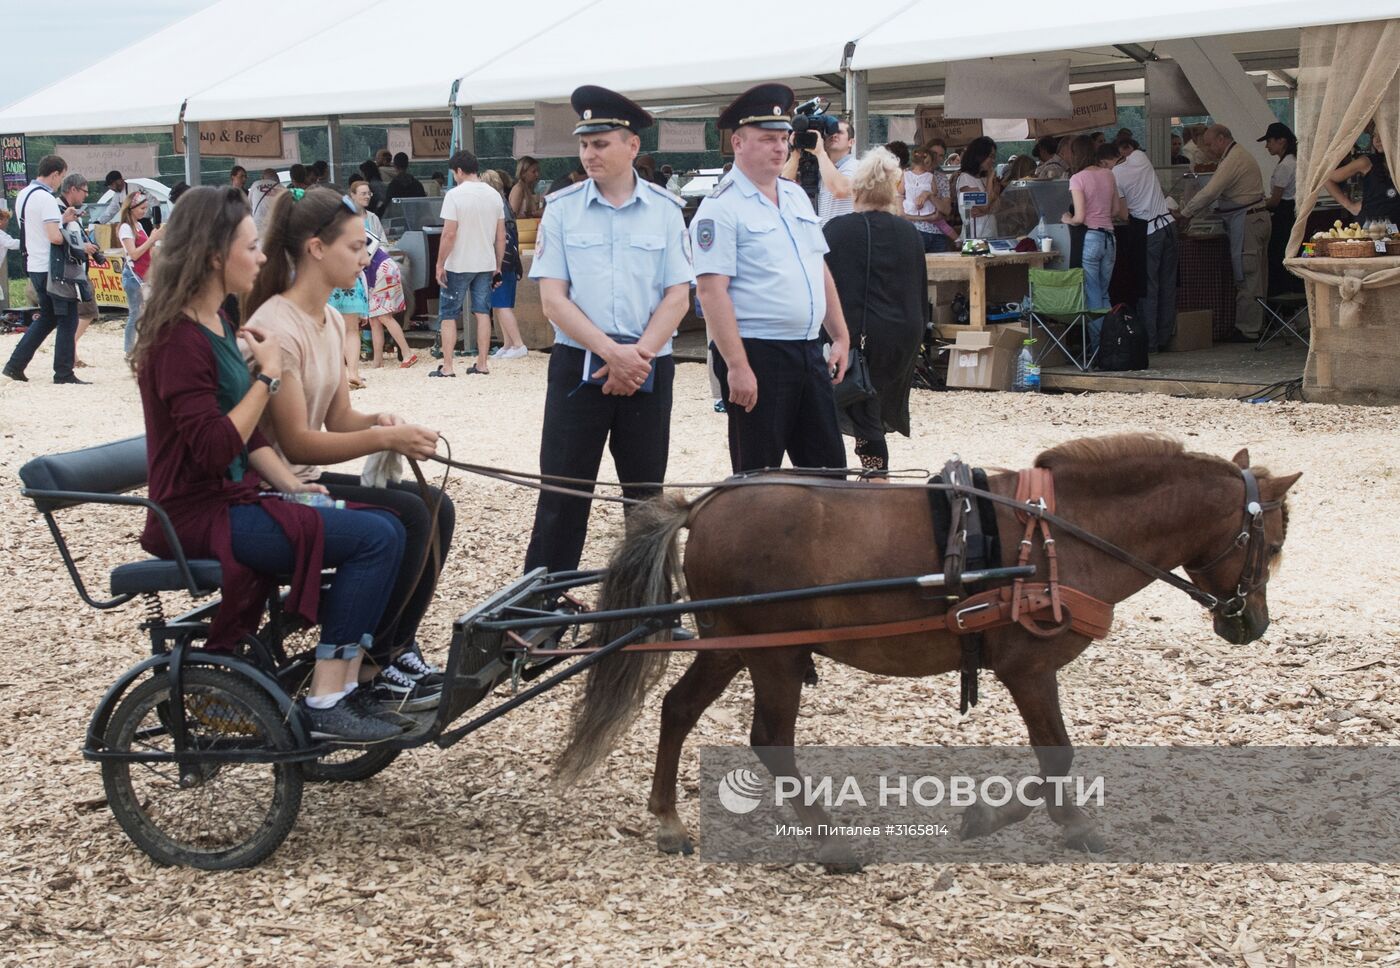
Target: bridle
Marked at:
1254, 574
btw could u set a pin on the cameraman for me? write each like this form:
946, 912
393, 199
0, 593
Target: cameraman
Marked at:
837, 163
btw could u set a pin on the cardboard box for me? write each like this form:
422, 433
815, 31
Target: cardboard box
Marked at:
1193, 331
985, 359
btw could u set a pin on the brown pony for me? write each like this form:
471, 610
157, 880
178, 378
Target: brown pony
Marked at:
1143, 493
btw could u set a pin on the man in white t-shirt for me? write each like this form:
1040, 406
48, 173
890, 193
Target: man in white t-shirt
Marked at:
261, 194
1142, 190
837, 163
469, 259
41, 222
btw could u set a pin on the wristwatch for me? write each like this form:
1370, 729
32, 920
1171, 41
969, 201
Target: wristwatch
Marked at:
273, 383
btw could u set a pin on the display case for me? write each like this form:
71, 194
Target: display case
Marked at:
1034, 207
414, 227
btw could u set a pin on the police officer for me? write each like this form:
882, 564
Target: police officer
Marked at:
613, 261
767, 294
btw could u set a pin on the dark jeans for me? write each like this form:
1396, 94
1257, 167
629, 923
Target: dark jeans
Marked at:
364, 548
404, 499
60, 314
796, 409
578, 420
1157, 308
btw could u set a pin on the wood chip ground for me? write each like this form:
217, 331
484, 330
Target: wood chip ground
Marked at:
470, 857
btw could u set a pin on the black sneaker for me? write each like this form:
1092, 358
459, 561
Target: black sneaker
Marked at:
364, 702
412, 664
399, 691
72, 380
344, 723
16, 375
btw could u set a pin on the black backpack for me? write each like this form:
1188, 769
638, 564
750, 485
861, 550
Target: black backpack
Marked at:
1122, 342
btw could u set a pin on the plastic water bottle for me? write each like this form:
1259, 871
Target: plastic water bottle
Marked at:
312, 499
1027, 369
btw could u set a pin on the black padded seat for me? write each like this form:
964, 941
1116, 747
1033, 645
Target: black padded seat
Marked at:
162, 575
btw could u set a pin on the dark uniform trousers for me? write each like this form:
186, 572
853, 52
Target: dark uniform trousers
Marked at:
796, 409
578, 420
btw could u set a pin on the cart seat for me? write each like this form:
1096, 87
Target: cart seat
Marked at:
161, 575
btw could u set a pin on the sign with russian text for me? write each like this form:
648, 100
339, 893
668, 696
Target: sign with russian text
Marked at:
955, 132
1094, 108
132, 160
680, 136
107, 283
431, 138
15, 175
235, 139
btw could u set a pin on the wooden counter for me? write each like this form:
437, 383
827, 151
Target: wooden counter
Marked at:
973, 269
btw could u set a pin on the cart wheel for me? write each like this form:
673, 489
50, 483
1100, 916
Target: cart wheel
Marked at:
213, 816
348, 765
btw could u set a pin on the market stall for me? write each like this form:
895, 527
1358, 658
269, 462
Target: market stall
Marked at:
1354, 302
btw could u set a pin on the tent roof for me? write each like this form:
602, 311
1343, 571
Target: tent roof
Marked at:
394, 58
145, 85
262, 58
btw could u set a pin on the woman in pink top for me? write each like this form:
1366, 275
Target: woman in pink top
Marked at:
314, 245
1096, 204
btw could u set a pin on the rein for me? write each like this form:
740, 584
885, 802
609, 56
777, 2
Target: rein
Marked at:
1251, 534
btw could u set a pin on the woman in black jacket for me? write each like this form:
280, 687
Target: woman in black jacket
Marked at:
877, 261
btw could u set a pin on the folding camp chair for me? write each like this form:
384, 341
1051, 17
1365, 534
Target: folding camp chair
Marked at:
1275, 324
1057, 299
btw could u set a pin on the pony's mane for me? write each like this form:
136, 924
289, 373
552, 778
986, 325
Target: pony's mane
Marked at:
1115, 447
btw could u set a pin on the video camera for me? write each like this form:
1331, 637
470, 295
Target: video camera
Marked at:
810, 123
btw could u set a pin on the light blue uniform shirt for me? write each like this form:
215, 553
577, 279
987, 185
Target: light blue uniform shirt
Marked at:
618, 261
771, 253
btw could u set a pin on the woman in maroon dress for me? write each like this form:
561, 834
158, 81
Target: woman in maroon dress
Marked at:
208, 467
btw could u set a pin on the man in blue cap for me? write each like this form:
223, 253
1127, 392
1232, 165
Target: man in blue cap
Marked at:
613, 261
767, 295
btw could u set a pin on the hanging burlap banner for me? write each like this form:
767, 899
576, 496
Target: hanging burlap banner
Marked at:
243, 139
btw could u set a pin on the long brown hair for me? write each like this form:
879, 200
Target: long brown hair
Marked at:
198, 236
319, 213
131, 201
1081, 154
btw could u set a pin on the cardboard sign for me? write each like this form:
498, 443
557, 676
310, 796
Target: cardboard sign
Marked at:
398, 139
12, 157
230, 139
955, 132
680, 136
1094, 108
431, 138
132, 160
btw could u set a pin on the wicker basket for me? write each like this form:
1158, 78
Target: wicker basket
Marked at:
1392, 246
1350, 248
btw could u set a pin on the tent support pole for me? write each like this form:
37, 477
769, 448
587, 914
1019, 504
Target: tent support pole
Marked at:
192, 154
466, 124
858, 109
335, 149
857, 102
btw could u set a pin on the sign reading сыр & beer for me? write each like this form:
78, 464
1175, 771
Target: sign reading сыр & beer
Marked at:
242, 139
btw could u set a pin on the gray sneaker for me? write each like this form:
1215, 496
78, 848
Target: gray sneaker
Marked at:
345, 723
362, 699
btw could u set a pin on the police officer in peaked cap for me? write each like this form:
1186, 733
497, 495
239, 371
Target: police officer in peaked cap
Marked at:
613, 262
768, 295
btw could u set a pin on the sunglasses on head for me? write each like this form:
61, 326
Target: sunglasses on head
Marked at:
349, 204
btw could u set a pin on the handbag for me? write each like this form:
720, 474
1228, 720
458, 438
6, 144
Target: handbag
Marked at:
857, 387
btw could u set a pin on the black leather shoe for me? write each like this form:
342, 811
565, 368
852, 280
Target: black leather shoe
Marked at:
16, 375
73, 380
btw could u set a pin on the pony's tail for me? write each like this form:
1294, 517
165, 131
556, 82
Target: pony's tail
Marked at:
645, 570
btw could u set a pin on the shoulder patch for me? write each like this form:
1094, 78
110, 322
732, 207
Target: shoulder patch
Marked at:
721, 188
563, 192
664, 193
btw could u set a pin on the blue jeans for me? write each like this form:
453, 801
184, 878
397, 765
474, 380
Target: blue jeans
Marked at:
131, 283
1100, 249
60, 314
453, 296
364, 548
